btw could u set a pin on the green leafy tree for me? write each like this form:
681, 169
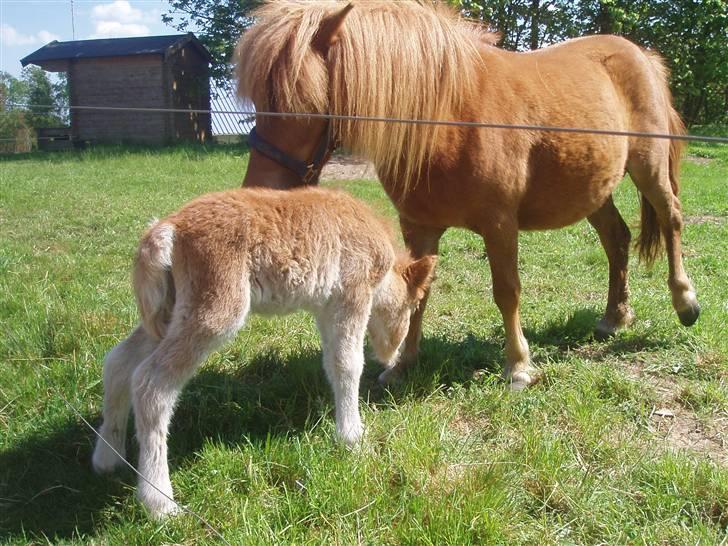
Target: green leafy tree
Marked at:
692, 35
13, 123
523, 24
27, 103
218, 23
41, 99
12, 91
693, 38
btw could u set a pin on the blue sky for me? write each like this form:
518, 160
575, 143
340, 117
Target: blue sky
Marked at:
26, 25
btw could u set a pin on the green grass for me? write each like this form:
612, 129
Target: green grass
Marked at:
450, 456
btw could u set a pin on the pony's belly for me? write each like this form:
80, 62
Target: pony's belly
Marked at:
553, 206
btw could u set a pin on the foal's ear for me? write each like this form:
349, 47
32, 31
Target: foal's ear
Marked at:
418, 275
328, 32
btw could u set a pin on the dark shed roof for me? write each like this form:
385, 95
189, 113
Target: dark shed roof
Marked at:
114, 47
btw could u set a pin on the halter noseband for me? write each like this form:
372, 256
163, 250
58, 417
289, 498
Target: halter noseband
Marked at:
306, 171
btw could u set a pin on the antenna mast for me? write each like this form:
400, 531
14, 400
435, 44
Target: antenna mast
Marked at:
73, 22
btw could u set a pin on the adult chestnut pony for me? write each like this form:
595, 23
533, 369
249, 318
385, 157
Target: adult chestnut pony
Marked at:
421, 61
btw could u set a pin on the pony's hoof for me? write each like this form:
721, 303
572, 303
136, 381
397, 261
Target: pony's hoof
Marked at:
689, 316
604, 330
524, 378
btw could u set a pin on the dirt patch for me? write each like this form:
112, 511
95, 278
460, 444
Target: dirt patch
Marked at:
466, 425
678, 427
705, 219
347, 167
700, 160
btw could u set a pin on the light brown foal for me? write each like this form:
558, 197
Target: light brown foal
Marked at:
202, 270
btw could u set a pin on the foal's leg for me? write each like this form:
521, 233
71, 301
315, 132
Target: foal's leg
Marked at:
502, 246
652, 179
421, 241
119, 365
156, 383
343, 326
614, 236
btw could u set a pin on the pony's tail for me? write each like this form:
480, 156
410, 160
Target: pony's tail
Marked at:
153, 283
649, 242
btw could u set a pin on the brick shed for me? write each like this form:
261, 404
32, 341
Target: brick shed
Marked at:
146, 72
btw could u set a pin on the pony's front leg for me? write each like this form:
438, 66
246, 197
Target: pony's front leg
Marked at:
614, 236
420, 241
343, 327
502, 245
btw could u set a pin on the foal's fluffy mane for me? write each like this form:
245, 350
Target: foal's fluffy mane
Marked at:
402, 59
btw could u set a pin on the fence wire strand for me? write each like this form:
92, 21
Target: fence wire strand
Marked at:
375, 119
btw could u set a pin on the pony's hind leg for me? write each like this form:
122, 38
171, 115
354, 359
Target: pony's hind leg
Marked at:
660, 202
615, 237
119, 365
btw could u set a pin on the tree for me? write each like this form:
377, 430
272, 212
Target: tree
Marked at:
13, 123
692, 35
523, 24
219, 24
27, 103
41, 99
693, 38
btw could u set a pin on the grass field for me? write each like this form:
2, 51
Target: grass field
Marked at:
624, 442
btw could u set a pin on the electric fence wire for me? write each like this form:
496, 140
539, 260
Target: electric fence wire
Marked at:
376, 119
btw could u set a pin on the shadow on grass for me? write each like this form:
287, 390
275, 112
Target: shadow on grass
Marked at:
576, 332
577, 329
47, 487
267, 397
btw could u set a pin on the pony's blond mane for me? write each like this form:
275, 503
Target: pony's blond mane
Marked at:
403, 59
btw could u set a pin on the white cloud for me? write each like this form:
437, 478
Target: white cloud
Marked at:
114, 29
12, 38
44, 36
120, 18
120, 11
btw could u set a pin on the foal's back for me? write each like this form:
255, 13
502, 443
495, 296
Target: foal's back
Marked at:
295, 247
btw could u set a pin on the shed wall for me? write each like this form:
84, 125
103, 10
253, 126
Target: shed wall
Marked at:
188, 80
136, 81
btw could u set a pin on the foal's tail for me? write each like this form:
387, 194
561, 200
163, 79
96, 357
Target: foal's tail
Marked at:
649, 242
153, 283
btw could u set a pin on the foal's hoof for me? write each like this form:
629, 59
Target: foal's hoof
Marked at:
351, 435
689, 315
159, 507
104, 460
390, 377
524, 378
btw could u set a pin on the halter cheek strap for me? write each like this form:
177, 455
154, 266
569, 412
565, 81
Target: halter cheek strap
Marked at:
306, 171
